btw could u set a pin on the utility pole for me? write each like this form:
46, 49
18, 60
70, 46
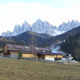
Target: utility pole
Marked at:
32, 45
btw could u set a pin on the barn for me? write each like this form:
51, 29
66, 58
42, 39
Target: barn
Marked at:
12, 50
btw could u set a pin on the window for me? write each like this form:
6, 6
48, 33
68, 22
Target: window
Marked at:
58, 58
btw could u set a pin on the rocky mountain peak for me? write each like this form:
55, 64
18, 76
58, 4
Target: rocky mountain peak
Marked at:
68, 26
39, 21
42, 27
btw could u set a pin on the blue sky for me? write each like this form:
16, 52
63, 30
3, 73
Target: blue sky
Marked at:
14, 12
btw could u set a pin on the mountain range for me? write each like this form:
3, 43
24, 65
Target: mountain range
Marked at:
40, 40
42, 27
39, 27
62, 37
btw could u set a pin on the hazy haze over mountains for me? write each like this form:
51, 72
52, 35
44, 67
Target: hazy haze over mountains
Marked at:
42, 27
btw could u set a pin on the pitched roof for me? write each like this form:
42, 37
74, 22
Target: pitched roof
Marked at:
13, 46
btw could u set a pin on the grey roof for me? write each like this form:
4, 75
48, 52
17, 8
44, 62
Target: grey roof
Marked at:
13, 46
49, 53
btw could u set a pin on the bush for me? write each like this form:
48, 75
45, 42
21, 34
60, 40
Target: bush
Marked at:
19, 54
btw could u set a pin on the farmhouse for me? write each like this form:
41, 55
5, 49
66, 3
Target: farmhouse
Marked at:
12, 50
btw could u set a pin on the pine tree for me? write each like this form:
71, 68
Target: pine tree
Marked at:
19, 54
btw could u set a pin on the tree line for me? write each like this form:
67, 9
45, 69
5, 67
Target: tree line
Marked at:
72, 46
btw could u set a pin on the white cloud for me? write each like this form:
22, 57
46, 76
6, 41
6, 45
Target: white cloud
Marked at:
12, 14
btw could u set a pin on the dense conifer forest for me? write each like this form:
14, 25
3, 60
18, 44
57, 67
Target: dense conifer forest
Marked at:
72, 46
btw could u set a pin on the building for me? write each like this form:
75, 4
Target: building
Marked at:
50, 56
12, 50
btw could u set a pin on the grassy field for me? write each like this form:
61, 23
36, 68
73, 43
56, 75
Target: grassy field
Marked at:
13, 69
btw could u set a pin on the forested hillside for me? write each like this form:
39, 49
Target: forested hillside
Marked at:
72, 46
61, 37
29, 37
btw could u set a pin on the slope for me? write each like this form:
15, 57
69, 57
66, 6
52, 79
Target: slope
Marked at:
13, 69
61, 37
27, 37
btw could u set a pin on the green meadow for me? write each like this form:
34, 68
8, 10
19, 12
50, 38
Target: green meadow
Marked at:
14, 69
